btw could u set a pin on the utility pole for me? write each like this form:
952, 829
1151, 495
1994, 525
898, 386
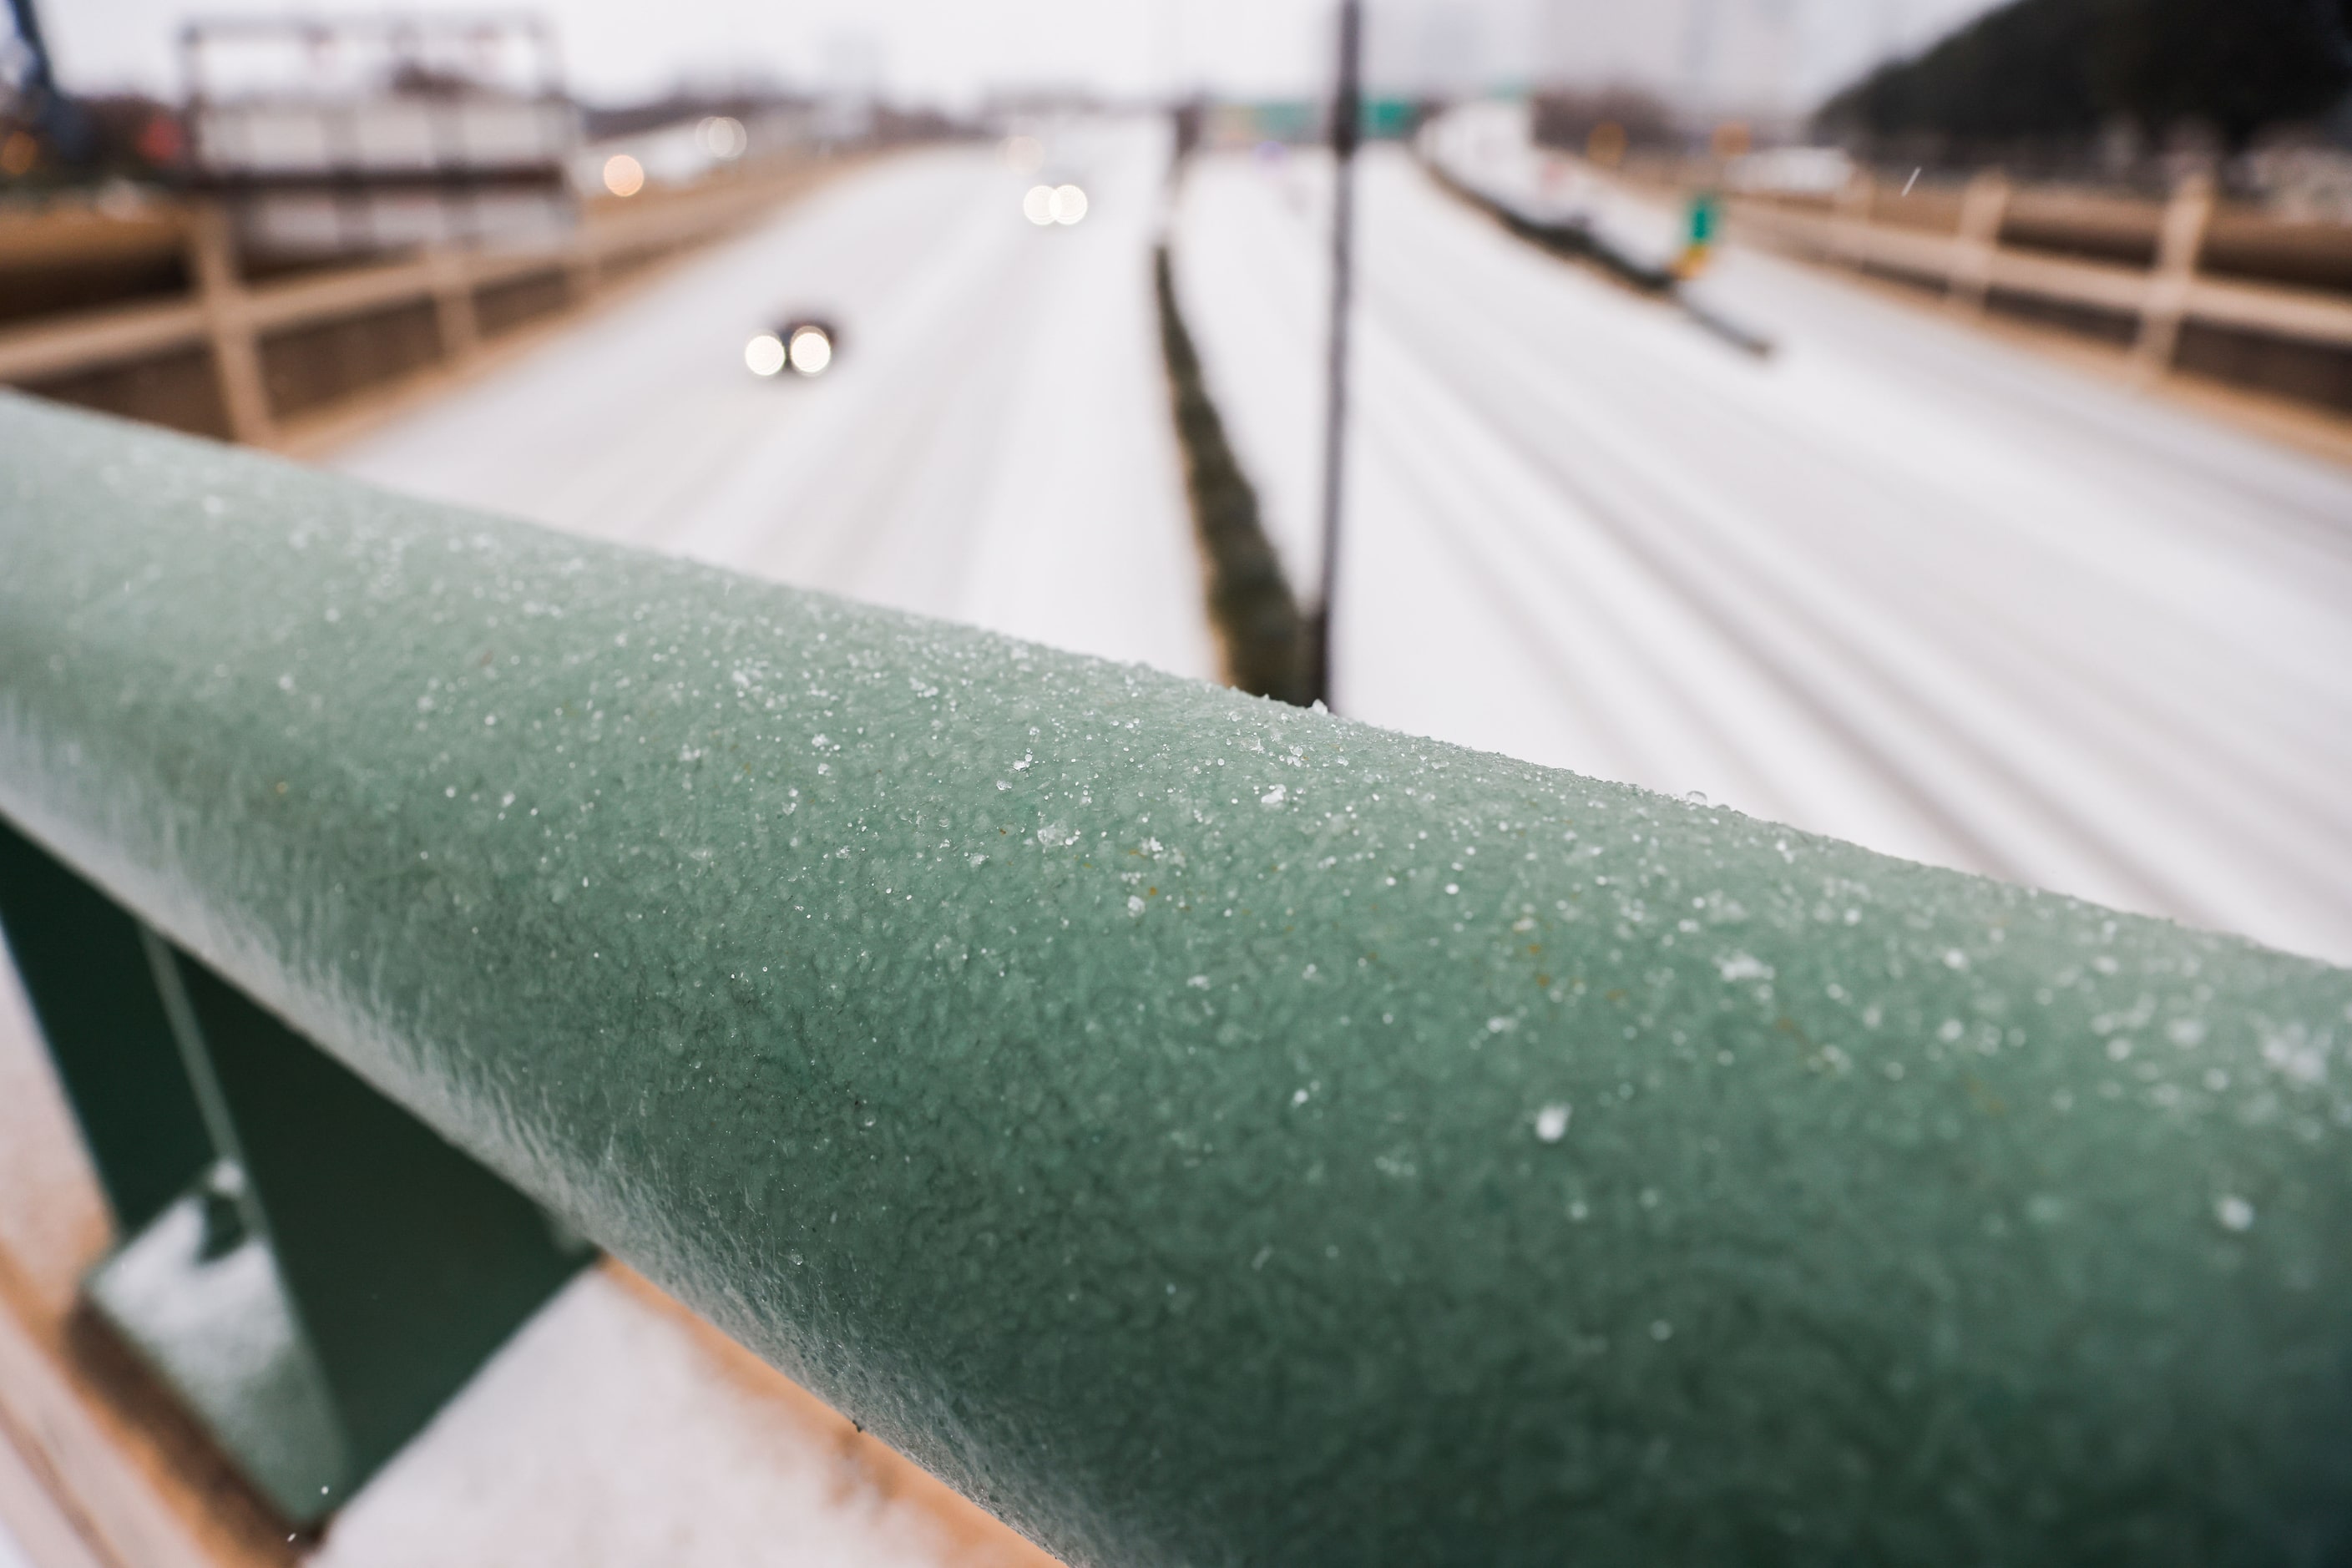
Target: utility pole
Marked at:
38, 79
1347, 122
56, 115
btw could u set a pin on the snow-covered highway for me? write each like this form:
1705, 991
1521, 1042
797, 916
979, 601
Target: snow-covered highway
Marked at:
1898, 583
992, 446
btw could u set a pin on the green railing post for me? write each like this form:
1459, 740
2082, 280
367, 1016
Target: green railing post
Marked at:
85, 972
310, 1268
1206, 1132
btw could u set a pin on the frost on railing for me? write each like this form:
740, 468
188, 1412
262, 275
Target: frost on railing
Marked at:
1203, 1130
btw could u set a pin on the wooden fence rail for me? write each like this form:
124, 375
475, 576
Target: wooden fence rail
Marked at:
229, 319
1978, 259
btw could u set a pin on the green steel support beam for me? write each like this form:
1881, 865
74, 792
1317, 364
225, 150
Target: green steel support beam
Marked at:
408, 1262
85, 972
387, 1265
312, 1269
1203, 1132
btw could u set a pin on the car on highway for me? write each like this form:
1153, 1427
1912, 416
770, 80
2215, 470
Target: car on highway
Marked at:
804, 345
1051, 202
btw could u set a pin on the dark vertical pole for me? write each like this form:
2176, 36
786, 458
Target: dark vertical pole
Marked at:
40, 79
85, 970
54, 111
1347, 119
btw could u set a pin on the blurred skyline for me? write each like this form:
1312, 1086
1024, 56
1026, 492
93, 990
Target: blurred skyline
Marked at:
1773, 54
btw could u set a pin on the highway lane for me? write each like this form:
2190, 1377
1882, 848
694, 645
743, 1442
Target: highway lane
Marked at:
1898, 583
992, 444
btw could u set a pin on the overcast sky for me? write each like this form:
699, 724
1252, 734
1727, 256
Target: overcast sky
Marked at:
953, 51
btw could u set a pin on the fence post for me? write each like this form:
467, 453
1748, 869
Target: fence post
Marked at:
584, 268
228, 327
453, 305
1849, 234
1981, 212
2180, 242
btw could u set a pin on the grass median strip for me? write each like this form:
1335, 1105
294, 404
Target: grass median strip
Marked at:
1256, 616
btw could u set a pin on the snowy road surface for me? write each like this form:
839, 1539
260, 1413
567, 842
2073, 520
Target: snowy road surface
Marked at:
1899, 583
992, 446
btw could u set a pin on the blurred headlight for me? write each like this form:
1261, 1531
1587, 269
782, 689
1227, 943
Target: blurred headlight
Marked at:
1023, 154
1037, 206
723, 137
624, 176
811, 351
1068, 203
766, 354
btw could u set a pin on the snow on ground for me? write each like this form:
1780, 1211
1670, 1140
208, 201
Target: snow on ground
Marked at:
12, 1555
992, 444
1898, 583
606, 1436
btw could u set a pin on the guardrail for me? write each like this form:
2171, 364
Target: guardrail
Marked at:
234, 323
1200, 1131
1580, 237
1971, 263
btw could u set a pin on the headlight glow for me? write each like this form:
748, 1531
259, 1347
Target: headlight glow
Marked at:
1068, 203
624, 176
1037, 206
766, 354
723, 137
811, 351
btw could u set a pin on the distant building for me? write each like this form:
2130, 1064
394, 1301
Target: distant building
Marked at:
331, 137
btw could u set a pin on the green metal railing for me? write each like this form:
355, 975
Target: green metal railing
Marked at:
1203, 1131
